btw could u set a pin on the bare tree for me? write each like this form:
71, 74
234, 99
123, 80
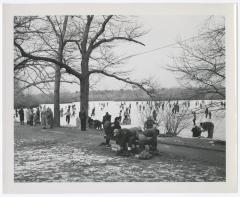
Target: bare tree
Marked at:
94, 37
42, 36
174, 123
201, 63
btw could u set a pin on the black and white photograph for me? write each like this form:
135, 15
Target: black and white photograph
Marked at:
119, 98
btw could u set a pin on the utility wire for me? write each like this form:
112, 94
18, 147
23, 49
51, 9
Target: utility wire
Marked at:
159, 48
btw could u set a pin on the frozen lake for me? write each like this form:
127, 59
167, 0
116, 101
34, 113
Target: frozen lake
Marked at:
139, 116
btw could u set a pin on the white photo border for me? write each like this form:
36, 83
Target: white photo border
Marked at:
228, 10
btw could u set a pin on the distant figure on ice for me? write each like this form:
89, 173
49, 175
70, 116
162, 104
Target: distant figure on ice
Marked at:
194, 118
154, 115
73, 112
126, 114
28, 116
61, 112
93, 112
78, 124
177, 107
206, 112
68, 115
44, 117
120, 115
37, 117
210, 115
49, 118
21, 114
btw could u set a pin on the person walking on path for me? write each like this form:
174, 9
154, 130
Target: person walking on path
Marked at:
107, 127
21, 114
83, 118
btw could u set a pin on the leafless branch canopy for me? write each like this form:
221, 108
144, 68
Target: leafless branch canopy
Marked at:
68, 41
201, 63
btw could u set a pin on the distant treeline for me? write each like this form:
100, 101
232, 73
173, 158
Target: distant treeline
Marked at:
117, 95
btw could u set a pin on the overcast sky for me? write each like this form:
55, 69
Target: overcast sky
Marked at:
163, 30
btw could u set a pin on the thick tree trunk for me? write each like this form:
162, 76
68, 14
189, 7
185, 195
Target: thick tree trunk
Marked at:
84, 94
84, 89
57, 97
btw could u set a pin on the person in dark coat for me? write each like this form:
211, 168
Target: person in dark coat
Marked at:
31, 117
152, 134
107, 128
83, 118
49, 114
107, 117
116, 124
21, 114
196, 131
125, 138
154, 115
149, 123
37, 117
209, 127
93, 112
108, 131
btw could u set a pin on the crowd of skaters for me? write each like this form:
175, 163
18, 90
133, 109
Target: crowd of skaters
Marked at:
35, 116
44, 115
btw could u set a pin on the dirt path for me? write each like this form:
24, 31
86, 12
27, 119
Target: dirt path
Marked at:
68, 155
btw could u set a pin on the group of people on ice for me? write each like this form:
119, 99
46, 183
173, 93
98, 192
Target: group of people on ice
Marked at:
38, 116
